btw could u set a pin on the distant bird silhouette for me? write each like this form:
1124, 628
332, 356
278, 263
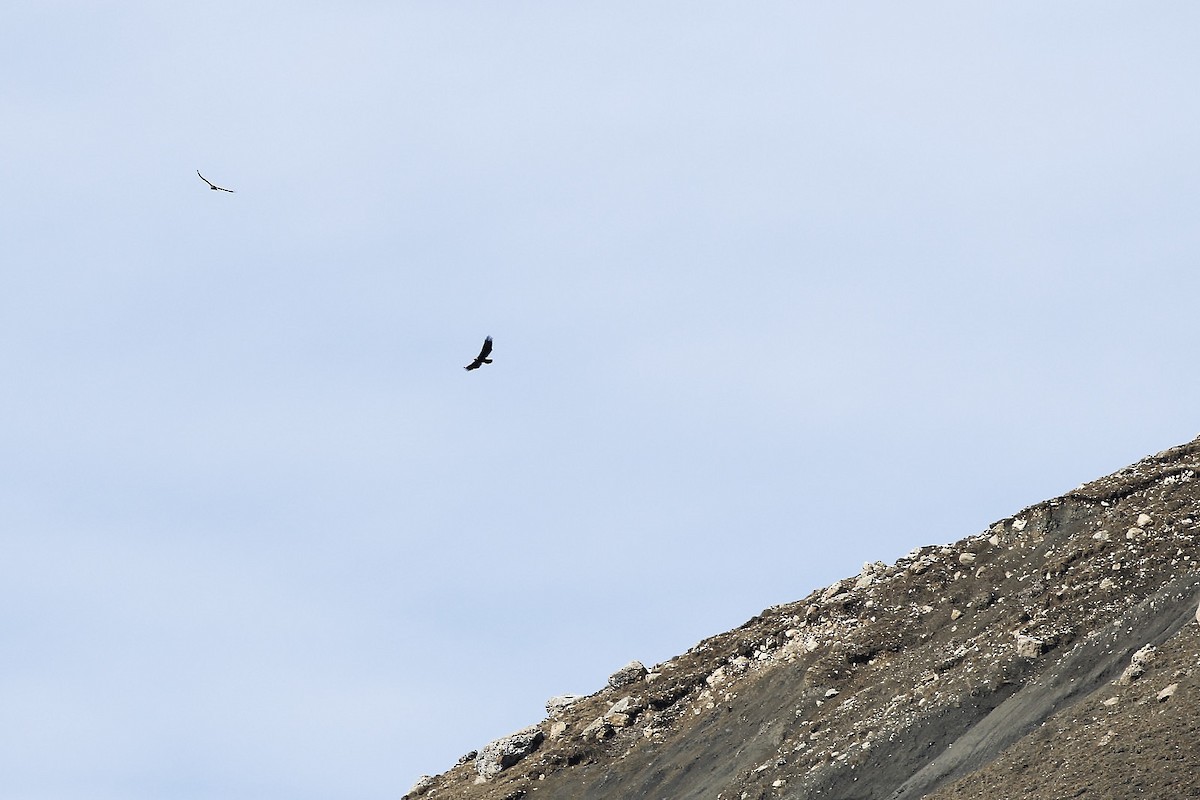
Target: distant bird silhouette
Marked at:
482, 358
212, 185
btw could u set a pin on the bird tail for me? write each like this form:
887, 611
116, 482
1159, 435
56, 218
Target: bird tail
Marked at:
487, 361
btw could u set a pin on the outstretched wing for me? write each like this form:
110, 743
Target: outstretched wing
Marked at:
482, 358
212, 185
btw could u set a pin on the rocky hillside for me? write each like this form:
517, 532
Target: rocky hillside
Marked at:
1055, 654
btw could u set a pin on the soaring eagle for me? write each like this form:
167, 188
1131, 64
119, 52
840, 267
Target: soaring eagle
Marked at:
482, 358
212, 185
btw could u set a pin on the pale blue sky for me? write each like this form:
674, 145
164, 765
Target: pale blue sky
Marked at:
775, 290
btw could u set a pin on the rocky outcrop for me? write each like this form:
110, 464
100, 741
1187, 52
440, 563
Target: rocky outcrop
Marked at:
940, 675
561, 702
507, 751
632, 672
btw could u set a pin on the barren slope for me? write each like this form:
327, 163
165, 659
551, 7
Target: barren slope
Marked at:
985, 667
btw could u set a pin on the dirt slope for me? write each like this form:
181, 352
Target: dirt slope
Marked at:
990, 667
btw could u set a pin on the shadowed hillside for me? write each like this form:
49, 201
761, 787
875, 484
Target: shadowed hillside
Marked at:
1055, 654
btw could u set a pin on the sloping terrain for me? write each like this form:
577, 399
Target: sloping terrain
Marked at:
1055, 654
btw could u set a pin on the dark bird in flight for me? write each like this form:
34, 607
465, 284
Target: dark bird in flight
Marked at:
212, 185
482, 358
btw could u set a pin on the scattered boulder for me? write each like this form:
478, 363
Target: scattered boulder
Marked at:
1030, 646
626, 705
506, 751
841, 599
1137, 665
599, 728
717, 677
1166, 693
832, 591
559, 702
622, 712
872, 571
420, 787
632, 672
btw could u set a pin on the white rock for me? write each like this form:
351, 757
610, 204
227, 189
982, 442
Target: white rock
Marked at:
966, 559
506, 751
1137, 665
423, 783
1029, 646
560, 701
832, 591
1134, 533
1166, 693
626, 705
1101, 536
1019, 525
1143, 520
1144, 656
